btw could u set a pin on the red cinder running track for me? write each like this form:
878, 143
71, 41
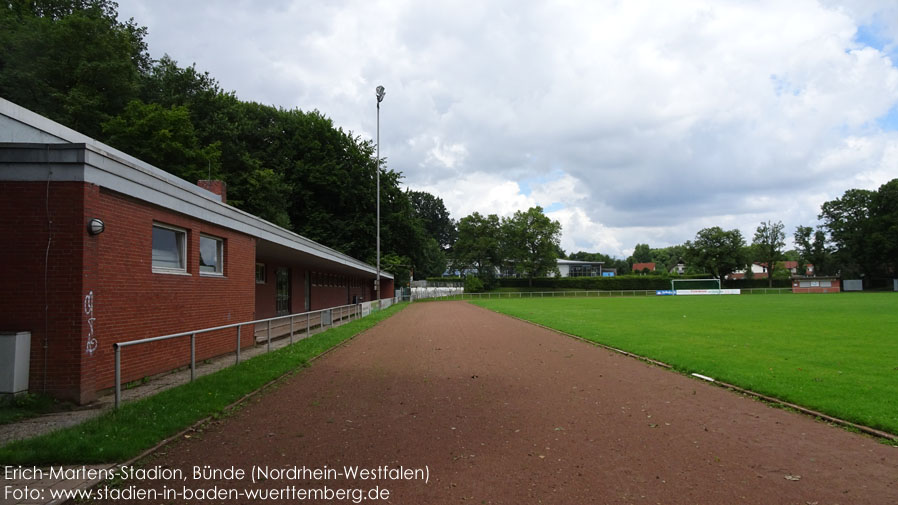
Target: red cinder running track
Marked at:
501, 411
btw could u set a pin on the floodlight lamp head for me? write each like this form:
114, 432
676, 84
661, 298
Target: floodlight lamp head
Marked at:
380, 94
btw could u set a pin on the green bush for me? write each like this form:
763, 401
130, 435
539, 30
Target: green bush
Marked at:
473, 284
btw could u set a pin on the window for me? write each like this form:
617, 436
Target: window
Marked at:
169, 249
260, 273
211, 255
815, 284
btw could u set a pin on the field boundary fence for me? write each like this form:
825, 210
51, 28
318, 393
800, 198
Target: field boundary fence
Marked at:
434, 292
489, 295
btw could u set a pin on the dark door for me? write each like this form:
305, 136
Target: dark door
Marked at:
282, 300
308, 291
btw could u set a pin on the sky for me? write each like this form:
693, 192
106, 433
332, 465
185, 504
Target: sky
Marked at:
627, 121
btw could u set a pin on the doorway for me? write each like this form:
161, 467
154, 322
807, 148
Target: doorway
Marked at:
282, 289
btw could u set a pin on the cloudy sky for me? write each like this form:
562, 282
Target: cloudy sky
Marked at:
628, 121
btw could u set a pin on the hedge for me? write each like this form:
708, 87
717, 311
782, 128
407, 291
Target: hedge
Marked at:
756, 283
619, 283
629, 282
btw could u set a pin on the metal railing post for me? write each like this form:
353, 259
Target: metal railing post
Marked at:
269, 336
192, 356
118, 375
238, 344
308, 323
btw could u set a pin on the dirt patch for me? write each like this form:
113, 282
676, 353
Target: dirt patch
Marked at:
499, 411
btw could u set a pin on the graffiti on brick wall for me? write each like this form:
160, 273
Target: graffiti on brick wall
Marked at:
89, 311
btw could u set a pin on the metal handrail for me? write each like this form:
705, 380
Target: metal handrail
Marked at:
117, 347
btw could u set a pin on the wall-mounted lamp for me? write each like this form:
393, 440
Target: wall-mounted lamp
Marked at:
95, 226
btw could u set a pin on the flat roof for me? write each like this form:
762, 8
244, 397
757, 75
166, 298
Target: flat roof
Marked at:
34, 148
576, 262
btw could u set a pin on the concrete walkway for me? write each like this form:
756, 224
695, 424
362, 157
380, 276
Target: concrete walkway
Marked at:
35, 487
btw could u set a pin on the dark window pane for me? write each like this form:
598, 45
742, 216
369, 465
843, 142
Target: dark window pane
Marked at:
167, 248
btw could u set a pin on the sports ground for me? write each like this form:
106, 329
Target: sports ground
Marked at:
497, 410
834, 354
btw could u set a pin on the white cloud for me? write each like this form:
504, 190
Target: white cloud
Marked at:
583, 234
647, 120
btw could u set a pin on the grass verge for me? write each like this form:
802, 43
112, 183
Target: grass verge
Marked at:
837, 354
120, 435
29, 405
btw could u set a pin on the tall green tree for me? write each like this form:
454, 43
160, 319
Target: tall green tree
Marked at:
885, 226
532, 241
70, 60
862, 228
163, 137
642, 253
717, 251
813, 249
478, 246
849, 221
436, 219
768, 244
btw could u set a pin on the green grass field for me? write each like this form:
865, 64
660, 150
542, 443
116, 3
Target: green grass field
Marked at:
837, 354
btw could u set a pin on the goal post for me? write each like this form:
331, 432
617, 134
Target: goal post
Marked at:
705, 286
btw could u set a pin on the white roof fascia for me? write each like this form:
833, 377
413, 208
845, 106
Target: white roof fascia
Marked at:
577, 262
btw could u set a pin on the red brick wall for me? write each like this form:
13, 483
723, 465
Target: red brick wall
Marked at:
298, 290
359, 290
386, 290
127, 301
329, 289
45, 222
265, 293
835, 288
217, 187
132, 302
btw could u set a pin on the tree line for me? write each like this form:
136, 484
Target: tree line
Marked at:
857, 238
524, 244
76, 63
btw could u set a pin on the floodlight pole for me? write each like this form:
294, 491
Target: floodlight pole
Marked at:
380, 96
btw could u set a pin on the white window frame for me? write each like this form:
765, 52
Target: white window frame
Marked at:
219, 253
182, 270
264, 273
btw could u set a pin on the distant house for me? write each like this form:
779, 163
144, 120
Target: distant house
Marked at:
759, 270
679, 268
639, 267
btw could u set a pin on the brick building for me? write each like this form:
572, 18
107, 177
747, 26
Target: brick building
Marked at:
100, 247
823, 284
